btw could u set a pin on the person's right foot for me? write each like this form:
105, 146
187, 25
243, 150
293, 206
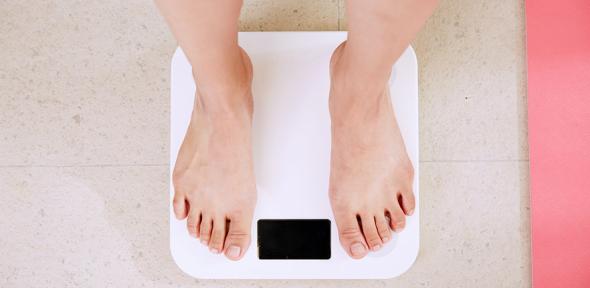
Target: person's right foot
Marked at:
214, 178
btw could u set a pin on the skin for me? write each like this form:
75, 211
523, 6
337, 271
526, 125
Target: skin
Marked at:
371, 174
218, 208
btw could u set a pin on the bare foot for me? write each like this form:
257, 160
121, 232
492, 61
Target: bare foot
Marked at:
214, 177
371, 174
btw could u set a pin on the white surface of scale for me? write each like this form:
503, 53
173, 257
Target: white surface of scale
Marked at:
291, 142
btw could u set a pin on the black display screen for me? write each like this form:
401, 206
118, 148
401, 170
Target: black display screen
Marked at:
294, 239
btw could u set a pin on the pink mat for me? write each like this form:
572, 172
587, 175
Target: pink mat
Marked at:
558, 35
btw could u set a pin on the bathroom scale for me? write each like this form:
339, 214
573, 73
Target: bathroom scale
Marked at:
294, 234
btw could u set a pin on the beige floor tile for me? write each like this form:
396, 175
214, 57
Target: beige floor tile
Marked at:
472, 82
289, 15
101, 226
85, 227
83, 83
475, 226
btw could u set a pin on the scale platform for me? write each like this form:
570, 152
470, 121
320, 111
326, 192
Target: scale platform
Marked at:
291, 142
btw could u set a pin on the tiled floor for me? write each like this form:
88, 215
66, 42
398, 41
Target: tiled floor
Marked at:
84, 143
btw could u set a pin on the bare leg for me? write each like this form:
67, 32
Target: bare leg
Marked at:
371, 176
214, 178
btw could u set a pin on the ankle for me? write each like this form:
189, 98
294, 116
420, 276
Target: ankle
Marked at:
349, 76
234, 81
228, 92
358, 92
220, 81
351, 102
350, 72
226, 105
357, 113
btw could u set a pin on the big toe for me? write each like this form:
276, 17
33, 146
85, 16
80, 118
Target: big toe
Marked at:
351, 236
180, 206
238, 238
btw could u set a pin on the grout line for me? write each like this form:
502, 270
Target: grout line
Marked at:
475, 161
167, 165
84, 166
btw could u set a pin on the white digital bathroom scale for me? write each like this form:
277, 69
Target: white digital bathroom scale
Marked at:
291, 142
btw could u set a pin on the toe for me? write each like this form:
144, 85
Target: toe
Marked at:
397, 217
180, 206
193, 222
370, 231
383, 228
351, 236
408, 201
217, 235
205, 229
238, 238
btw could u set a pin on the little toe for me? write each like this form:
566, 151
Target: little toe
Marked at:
408, 201
397, 217
205, 229
238, 238
351, 236
383, 228
370, 231
217, 235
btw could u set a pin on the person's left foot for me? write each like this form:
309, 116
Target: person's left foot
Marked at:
371, 175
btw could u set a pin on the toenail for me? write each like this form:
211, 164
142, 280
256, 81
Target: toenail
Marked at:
233, 251
214, 251
204, 242
399, 227
385, 239
410, 212
357, 249
376, 247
